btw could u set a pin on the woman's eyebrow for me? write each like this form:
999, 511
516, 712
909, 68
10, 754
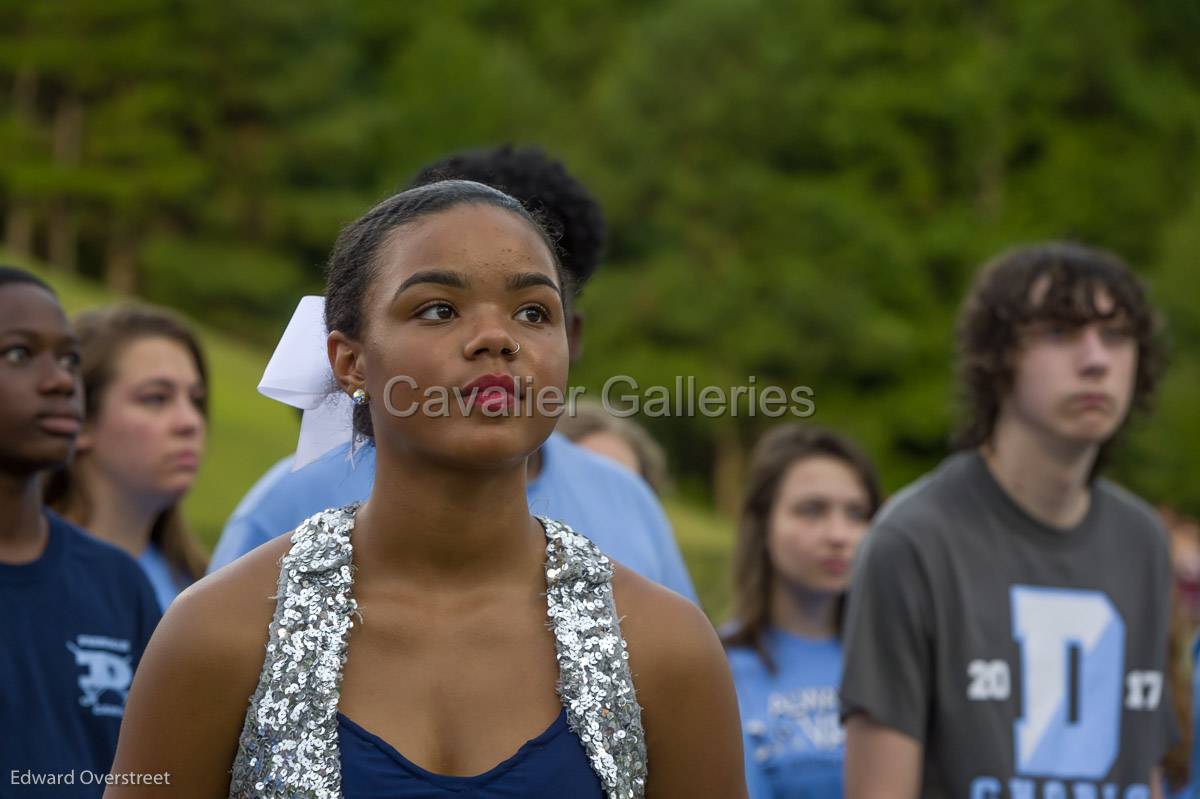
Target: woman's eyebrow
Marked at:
54, 340
441, 277
155, 382
528, 279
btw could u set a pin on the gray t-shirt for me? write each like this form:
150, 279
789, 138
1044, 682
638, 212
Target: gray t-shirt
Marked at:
1028, 661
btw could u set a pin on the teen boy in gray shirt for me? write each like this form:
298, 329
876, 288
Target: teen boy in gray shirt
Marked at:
1007, 627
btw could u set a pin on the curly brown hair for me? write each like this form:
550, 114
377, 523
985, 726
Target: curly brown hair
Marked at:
1050, 281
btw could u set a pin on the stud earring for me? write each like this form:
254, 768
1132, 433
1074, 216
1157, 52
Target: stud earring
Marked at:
360, 396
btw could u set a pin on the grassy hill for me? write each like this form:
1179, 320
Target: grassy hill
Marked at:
248, 433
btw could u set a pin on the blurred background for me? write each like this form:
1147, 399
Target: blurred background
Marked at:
798, 191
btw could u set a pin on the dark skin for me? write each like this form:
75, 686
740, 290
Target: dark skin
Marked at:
575, 319
452, 663
40, 394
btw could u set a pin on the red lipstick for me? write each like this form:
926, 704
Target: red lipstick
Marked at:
495, 391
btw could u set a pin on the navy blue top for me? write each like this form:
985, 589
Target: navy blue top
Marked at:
551, 766
73, 626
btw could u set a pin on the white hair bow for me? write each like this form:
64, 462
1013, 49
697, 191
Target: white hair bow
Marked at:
299, 375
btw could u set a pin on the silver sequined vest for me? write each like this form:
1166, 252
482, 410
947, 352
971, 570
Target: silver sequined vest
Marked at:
289, 744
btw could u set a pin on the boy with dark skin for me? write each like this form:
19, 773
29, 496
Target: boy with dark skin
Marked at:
77, 612
41, 408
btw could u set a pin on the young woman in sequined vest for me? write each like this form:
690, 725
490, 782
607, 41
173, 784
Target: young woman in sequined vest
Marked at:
437, 640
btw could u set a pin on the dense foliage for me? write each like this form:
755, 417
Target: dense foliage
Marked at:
797, 191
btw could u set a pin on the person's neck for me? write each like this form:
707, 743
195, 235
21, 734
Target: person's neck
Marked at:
446, 526
24, 531
114, 516
808, 614
533, 465
1048, 479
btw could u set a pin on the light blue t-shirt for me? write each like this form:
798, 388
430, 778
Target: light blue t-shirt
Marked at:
263, 487
793, 741
604, 501
166, 581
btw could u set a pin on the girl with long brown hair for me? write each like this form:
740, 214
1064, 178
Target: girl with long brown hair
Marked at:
810, 497
146, 389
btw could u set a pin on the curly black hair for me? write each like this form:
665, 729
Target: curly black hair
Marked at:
560, 202
10, 275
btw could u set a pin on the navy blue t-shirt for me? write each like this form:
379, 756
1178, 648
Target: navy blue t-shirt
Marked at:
73, 626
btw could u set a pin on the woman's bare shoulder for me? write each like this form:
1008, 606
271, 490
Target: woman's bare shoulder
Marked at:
240, 597
663, 630
221, 622
202, 665
682, 680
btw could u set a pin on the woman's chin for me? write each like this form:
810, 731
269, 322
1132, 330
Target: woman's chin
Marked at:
492, 454
486, 449
173, 488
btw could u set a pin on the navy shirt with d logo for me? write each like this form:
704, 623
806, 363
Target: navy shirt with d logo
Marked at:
73, 626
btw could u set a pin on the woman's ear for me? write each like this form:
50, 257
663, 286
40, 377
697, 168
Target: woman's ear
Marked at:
346, 361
